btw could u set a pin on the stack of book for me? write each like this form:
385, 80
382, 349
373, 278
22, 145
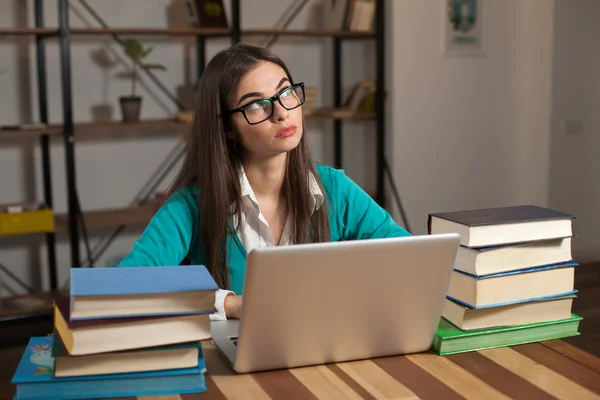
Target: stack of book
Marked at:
123, 332
353, 15
513, 278
310, 101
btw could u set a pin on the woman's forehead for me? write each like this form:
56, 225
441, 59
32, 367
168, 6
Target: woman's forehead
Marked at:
265, 78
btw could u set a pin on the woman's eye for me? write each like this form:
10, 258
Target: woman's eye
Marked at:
258, 106
253, 106
286, 92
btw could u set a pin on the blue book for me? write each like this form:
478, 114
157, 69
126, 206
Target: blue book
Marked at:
100, 293
34, 379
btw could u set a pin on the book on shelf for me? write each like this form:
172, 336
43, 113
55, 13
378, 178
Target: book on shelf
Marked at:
206, 14
359, 97
512, 279
353, 15
360, 101
310, 100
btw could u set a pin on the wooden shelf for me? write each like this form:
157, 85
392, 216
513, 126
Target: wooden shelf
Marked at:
24, 133
308, 32
26, 306
130, 128
207, 32
28, 31
139, 215
149, 126
339, 114
98, 128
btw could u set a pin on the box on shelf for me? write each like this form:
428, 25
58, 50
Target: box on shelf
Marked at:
25, 218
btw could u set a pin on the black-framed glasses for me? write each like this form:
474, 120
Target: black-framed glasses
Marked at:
261, 110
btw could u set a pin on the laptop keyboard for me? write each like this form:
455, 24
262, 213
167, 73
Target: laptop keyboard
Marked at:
234, 339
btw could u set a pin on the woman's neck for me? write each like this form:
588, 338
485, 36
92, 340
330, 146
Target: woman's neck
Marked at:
266, 175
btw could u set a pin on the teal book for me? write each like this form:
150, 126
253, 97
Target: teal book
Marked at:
451, 340
34, 379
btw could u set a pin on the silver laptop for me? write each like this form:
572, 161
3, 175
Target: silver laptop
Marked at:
322, 303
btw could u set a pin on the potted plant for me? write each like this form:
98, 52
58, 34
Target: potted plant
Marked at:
101, 57
131, 105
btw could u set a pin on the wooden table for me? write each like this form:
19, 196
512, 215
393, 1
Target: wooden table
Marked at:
545, 370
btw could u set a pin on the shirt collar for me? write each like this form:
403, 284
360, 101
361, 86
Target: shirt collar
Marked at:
317, 197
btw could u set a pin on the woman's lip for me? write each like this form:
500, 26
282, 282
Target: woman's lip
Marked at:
287, 131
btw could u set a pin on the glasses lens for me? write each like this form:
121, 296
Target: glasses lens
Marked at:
292, 97
258, 111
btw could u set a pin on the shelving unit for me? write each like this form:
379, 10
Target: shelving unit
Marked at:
99, 219
71, 131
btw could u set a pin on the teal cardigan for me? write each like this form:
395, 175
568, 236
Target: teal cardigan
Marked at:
171, 235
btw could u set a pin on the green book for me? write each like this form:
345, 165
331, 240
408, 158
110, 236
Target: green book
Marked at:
451, 340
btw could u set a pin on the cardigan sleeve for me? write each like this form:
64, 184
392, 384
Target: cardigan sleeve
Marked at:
169, 234
361, 216
167, 238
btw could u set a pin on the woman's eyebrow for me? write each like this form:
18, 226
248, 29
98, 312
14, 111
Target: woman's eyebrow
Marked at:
259, 94
281, 82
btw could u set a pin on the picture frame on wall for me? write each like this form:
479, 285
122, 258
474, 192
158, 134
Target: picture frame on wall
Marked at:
463, 28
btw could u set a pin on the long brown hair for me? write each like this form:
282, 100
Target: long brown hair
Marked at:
212, 160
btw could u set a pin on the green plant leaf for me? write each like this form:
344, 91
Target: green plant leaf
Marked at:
133, 49
154, 66
146, 52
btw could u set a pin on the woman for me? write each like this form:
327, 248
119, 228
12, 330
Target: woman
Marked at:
248, 180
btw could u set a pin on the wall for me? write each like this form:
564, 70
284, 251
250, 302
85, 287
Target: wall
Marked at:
576, 95
456, 124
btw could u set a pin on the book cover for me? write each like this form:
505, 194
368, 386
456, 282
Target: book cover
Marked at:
140, 280
468, 290
34, 378
58, 348
513, 257
62, 304
450, 340
517, 244
500, 215
528, 270
468, 319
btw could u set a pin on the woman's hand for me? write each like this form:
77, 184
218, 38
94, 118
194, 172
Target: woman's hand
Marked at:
233, 306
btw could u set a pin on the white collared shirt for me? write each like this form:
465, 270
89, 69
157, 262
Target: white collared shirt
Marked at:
254, 230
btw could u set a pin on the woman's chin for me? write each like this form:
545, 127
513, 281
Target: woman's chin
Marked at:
290, 143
